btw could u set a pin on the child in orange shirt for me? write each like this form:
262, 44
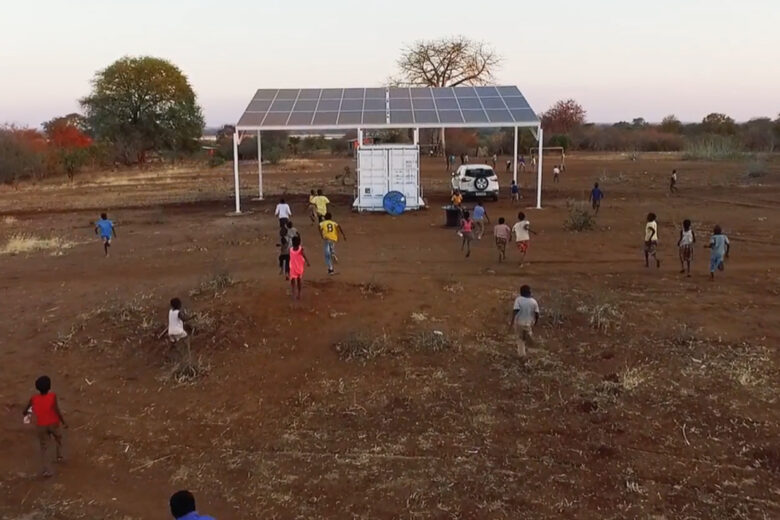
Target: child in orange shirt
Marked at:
48, 419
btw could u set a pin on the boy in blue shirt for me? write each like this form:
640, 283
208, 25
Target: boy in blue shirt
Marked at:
515, 191
479, 216
106, 229
719, 247
595, 197
183, 507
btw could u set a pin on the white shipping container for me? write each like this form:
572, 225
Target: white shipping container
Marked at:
385, 168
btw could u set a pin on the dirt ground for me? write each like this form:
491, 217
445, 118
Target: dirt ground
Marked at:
647, 395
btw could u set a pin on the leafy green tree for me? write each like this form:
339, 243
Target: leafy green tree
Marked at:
563, 117
141, 105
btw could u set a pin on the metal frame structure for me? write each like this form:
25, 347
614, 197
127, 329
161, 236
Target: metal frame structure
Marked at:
258, 120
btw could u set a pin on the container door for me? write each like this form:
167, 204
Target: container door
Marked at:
405, 173
372, 177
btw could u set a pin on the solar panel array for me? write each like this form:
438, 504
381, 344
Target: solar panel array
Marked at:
383, 107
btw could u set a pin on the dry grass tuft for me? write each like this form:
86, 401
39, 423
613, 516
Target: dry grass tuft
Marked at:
603, 312
360, 347
19, 244
187, 369
8, 219
631, 378
558, 306
372, 289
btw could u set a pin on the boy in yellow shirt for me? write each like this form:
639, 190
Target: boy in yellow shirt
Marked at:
320, 205
330, 235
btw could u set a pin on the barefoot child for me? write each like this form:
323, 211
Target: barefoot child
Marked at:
466, 231
673, 182
106, 229
522, 232
525, 314
685, 245
321, 205
48, 419
556, 173
651, 240
479, 218
283, 213
719, 250
312, 207
502, 234
297, 261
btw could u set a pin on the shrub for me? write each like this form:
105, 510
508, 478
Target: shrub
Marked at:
560, 140
216, 161
580, 217
273, 155
757, 168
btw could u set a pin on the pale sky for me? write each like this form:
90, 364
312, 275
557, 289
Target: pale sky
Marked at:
619, 58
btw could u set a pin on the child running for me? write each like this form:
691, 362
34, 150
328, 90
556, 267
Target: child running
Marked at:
283, 213
651, 240
466, 231
502, 234
522, 232
48, 419
479, 217
719, 251
673, 182
525, 314
176, 320
321, 205
556, 174
297, 261
106, 229
330, 235
595, 197
312, 207
685, 245
284, 252
515, 190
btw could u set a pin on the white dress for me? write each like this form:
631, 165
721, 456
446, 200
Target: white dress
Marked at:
175, 325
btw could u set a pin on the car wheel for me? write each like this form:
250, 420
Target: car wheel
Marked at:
481, 183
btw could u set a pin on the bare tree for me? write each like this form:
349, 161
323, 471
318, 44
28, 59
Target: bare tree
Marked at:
447, 62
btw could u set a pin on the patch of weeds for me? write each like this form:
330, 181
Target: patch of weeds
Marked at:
558, 306
360, 347
454, 287
21, 243
8, 219
580, 217
756, 169
216, 284
429, 341
187, 369
603, 312
372, 289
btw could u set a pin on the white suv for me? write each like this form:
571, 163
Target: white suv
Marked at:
477, 180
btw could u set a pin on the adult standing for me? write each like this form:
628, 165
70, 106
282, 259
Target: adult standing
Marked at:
283, 213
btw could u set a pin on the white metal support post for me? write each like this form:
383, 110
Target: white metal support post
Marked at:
235, 171
359, 139
539, 172
514, 159
259, 168
416, 136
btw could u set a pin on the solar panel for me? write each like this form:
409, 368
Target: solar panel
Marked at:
375, 107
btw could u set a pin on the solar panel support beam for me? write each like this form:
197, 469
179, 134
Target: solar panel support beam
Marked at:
539, 172
259, 167
235, 171
514, 161
416, 136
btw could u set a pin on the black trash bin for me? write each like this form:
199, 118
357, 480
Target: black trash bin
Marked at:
453, 215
